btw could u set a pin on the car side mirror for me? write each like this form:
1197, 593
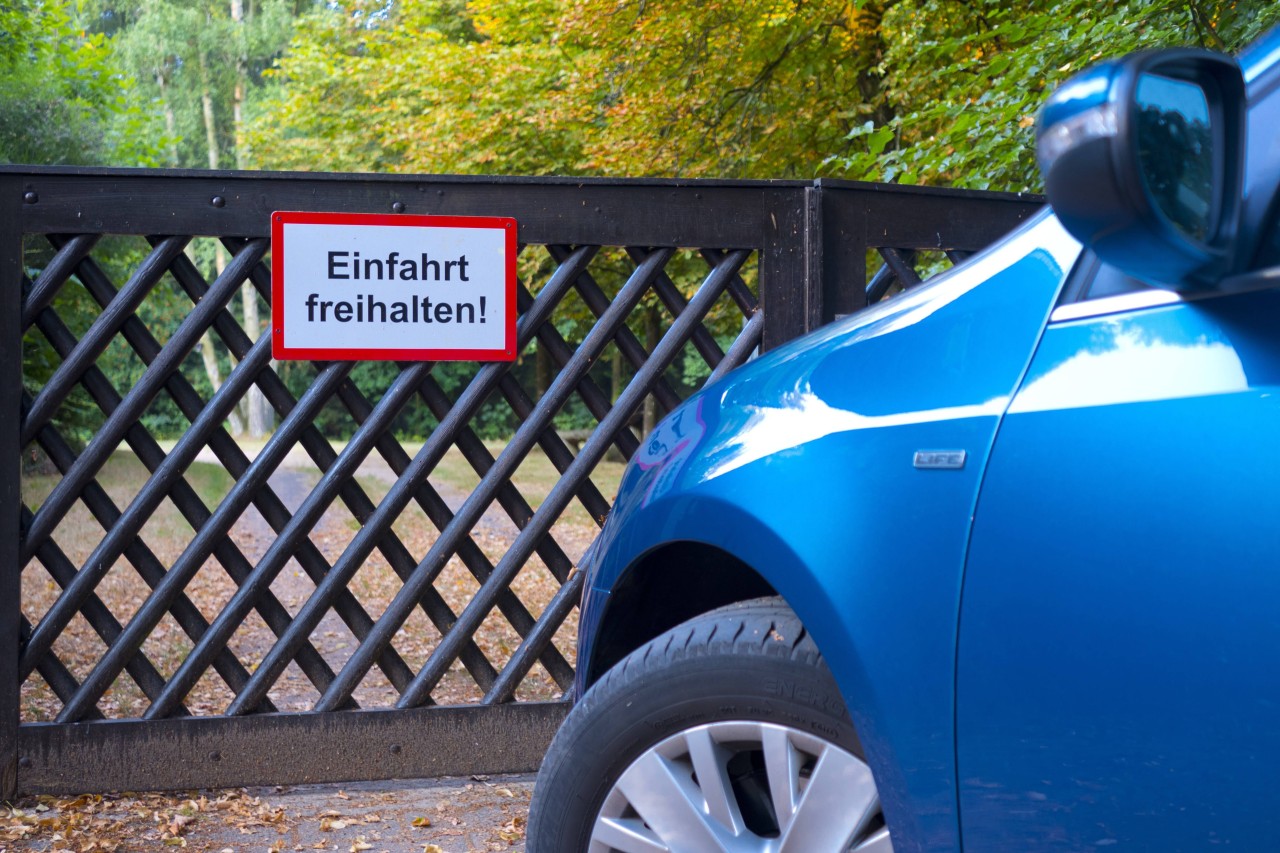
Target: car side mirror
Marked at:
1142, 161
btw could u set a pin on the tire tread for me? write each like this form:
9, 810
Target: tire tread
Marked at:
764, 628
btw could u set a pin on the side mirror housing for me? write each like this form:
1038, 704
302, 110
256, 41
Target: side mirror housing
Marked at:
1142, 160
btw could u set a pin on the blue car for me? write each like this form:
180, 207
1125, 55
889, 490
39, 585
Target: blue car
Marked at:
992, 565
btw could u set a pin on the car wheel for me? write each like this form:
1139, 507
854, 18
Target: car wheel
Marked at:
727, 733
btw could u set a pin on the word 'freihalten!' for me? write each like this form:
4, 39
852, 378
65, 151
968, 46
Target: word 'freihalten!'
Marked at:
366, 309
350, 266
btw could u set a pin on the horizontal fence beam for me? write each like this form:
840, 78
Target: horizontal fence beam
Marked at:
547, 211
285, 749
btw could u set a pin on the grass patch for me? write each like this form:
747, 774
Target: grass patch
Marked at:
534, 478
123, 476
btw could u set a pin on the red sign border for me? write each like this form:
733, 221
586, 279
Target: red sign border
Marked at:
280, 218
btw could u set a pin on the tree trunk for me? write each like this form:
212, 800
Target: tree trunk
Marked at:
242, 77
208, 349
170, 121
541, 372
616, 375
650, 344
211, 139
206, 101
258, 412
209, 355
236, 416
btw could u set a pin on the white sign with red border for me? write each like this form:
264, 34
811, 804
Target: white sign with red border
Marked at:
358, 287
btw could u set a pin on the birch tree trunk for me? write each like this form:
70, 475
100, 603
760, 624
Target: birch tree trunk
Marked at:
170, 120
258, 413
207, 351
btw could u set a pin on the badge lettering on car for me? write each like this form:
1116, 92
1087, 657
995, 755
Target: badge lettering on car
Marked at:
940, 459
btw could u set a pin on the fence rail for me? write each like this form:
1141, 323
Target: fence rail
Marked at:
303, 622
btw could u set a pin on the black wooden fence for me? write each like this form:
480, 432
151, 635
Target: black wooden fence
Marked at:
177, 686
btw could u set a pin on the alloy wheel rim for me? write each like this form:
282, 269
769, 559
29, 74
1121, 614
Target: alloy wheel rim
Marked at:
742, 785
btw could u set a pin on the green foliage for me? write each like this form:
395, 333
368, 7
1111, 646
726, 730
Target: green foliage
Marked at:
964, 80
743, 89
62, 98
418, 89
78, 417
938, 91
748, 88
495, 419
914, 91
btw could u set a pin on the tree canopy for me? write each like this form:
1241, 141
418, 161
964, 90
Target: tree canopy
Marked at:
932, 91
963, 81
63, 99
943, 92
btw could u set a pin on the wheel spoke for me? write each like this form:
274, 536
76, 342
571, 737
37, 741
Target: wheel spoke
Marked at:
627, 835
668, 802
710, 761
782, 765
837, 803
877, 842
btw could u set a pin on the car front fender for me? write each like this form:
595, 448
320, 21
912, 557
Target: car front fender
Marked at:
843, 470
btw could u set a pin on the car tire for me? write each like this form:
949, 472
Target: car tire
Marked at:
727, 732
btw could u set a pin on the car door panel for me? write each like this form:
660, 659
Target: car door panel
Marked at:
1120, 623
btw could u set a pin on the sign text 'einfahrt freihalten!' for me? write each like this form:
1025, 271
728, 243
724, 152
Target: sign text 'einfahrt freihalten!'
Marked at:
350, 286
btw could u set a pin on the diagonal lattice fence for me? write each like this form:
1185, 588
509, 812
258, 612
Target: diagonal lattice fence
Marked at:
384, 584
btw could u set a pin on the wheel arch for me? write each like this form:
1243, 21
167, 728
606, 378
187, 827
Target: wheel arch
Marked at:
667, 586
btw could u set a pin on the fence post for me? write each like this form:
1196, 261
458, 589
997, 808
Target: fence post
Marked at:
11, 201
844, 254
791, 266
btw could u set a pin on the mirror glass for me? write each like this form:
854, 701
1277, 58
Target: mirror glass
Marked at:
1175, 151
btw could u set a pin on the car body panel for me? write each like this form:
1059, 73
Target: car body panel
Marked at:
790, 444
1141, 575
